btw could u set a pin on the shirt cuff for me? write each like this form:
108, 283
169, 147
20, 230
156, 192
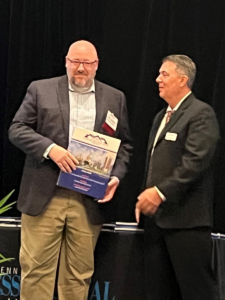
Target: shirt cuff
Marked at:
160, 194
116, 178
48, 150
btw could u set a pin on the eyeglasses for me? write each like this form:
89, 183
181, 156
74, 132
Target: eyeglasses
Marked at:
86, 64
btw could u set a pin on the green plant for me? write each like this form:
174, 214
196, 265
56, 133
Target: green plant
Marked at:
2, 210
3, 259
3, 201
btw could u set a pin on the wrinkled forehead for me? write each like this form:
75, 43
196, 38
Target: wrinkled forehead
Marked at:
82, 50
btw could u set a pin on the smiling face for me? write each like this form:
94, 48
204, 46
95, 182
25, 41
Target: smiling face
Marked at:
82, 51
171, 83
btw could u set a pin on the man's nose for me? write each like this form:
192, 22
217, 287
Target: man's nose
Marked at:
81, 68
158, 79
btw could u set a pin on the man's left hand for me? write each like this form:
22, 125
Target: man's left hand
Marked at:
148, 201
111, 188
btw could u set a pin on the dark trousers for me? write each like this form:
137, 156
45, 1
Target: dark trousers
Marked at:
178, 263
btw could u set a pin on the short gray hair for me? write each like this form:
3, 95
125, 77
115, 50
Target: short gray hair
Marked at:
185, 66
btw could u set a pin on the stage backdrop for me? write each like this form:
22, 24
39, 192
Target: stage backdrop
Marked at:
131, 36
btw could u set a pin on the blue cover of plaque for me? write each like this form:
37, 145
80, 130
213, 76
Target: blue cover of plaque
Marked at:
96, 154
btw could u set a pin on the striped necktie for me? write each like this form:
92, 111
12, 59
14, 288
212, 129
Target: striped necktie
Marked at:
168, 115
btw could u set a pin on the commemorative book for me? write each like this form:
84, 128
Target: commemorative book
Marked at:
96, 154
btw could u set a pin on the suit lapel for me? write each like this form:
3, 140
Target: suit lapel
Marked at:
64, 103
155, 128
176, 116
99, 106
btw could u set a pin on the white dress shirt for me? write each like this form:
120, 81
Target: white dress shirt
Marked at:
82, 110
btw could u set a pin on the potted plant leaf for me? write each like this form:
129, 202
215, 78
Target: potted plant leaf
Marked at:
3, 201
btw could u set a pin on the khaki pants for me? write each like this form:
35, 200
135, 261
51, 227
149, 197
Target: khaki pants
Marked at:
64, 225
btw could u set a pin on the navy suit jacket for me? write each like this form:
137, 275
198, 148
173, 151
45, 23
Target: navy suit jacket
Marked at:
43, 119
182, 166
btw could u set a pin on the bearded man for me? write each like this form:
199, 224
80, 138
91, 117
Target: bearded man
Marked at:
58, 223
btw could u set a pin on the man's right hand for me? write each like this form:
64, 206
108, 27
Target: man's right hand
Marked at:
63, 158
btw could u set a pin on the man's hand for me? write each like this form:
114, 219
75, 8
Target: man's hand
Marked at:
137, 214
63, 158
111, 188
148, 203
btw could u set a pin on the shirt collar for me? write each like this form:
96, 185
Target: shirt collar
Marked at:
82, 90
179, 103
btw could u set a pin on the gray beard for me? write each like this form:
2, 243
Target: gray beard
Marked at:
80, 88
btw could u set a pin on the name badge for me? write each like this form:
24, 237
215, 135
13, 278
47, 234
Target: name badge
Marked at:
171, 136
111, 122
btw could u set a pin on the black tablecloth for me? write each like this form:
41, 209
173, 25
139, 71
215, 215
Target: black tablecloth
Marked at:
118, 265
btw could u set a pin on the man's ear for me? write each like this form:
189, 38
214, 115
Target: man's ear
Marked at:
96, 66
184, 80
66, 61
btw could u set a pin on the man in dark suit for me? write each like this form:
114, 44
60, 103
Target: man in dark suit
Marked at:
177, 197
55, 218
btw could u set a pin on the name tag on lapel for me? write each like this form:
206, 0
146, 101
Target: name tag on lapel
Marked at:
110, 124
171, 136
111, 120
